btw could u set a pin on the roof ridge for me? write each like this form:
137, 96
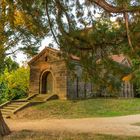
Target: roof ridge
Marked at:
40, 53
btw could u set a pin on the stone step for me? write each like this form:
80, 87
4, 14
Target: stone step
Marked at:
6, 114
41, 97
14, 105
17, 103
10, 107
6, 110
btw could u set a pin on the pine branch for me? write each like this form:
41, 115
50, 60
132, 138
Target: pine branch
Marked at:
127, 30
50, 24
115, 9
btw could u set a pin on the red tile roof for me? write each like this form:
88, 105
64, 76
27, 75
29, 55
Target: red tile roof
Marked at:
118, 58
74, 57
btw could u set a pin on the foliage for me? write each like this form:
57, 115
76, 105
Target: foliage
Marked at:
136, 75
22, 26
10, 64
14, 84
78, 31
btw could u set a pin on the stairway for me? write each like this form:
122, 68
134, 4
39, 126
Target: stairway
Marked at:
43, 98
12, 107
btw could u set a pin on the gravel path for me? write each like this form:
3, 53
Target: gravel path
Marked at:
110, 125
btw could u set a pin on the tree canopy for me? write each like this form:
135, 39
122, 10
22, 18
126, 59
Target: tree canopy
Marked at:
68, 16
76, 29
81, 27
84, 28
25, 23
22, 26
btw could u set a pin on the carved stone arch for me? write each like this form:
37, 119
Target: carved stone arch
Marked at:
47, 82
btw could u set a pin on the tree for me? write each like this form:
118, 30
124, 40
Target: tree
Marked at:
77, 31
66, 21
14, 84
117, 6
10, 65
4, 130
69, 21
22, 26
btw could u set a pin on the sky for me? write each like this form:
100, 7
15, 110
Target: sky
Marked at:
21, 58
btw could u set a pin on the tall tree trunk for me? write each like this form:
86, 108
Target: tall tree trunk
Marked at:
127, 30
4, 129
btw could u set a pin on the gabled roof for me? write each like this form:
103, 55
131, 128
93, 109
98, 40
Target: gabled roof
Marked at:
73, 57
121, 59
41, 53
117, 58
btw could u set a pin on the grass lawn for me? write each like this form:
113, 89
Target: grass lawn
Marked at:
82, 108
32, 135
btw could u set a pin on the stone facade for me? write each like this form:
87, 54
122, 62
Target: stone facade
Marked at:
49, 75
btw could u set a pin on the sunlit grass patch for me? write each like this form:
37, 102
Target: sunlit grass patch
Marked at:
83, 108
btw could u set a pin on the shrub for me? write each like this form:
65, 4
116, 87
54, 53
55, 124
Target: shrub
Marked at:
14, 84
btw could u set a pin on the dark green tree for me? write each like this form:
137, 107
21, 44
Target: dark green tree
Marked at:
22, 26
10, 65
78, 31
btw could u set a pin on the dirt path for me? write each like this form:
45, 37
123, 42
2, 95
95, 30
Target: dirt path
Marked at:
111, 125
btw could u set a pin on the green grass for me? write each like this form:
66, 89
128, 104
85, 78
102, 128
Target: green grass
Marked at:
34, 135
84, 108
92, 107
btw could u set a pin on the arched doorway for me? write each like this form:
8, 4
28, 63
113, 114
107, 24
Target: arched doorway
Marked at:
47, 83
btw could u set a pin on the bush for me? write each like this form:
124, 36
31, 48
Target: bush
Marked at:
14, 84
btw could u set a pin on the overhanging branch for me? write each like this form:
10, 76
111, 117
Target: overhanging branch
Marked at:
115, 9
50, 24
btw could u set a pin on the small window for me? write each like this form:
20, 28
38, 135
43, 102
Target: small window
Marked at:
46, 58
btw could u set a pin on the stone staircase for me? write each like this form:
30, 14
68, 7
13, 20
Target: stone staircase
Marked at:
43, 98
11, 107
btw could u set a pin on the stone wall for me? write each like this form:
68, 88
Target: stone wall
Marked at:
66, 84
56, 67
77, 87
34, 80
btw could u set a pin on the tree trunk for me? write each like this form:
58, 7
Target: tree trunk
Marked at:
4, 129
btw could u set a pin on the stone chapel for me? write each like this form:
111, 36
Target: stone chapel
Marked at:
49, 75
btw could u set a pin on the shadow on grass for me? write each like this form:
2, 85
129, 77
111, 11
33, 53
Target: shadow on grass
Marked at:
49, 135
137, 124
